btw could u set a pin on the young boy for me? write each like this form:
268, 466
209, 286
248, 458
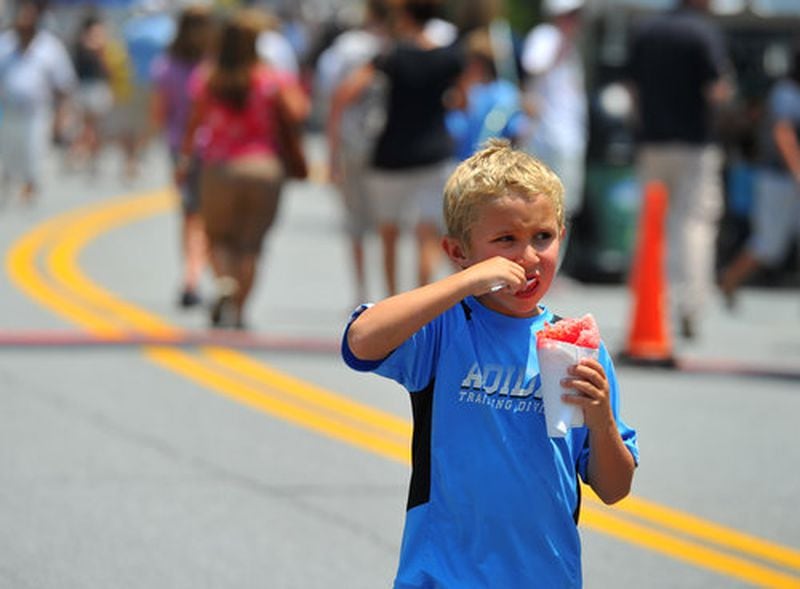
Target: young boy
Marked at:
493, 501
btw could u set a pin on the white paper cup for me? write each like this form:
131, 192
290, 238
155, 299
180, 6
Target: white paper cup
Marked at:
555, 358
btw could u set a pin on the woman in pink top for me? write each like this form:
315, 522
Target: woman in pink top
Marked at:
233, 128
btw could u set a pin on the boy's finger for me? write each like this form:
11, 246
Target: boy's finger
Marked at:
585, 372
582, 401
585, 388
594, 363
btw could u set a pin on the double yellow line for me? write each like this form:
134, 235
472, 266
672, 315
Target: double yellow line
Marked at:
44, 264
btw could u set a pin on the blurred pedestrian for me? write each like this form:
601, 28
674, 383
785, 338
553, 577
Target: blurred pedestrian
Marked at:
274, 48
485, 105
352, 132
145, 35
239, 105
170, 110
414, 152
121, 81
776, 214
94, 97
679, 72
555, 97
36, 76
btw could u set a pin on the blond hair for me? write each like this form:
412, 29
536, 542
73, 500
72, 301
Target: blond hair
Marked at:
496, 171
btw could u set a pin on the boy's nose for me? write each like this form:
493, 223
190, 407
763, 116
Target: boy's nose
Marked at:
528, 254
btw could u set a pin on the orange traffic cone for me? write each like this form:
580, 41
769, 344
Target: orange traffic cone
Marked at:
649, 338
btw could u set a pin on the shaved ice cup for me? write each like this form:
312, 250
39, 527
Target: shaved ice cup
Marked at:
555, 358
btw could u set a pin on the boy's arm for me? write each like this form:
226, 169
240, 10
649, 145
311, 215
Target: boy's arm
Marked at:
611, 465
383, 327
609, 471
386, 325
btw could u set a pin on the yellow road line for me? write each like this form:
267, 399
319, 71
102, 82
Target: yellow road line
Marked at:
247, 381
266, 399
342, 407
693, 553
22, 267
73, 231
62, 261
722, 536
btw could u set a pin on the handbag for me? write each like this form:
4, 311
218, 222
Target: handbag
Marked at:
290, 144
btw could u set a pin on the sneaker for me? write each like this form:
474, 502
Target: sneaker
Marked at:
189, 298
223, 311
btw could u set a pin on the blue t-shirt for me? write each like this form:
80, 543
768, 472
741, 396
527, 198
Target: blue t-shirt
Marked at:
493, 110
493, 499
146, 37
783, 104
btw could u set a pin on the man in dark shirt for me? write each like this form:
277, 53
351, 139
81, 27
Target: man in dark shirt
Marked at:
678, 70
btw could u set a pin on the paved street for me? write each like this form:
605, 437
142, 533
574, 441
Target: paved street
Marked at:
137, 449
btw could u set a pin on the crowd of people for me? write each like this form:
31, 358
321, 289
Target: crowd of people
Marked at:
403, 95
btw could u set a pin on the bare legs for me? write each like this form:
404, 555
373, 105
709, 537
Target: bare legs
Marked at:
193, 245
86, 147
428, 252
357, 254
235, 272
389, 234
734, 275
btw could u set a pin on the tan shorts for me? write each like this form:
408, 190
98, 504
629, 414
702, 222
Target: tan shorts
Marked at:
239, 201
130, 117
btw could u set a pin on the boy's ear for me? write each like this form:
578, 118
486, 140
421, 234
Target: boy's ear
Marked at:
456, 251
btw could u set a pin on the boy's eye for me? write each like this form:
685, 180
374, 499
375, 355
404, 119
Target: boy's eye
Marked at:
540, 237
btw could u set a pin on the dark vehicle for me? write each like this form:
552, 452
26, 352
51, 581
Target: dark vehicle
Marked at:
760, 34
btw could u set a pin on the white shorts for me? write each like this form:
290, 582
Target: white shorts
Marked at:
95, 98
24, 141
409, 197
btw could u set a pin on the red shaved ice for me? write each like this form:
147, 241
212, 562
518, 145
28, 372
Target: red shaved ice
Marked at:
581, 331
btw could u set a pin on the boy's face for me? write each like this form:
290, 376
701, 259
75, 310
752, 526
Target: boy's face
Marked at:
525, 231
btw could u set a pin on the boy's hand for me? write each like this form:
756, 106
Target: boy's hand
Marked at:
611, 465
485, 276
589, 380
